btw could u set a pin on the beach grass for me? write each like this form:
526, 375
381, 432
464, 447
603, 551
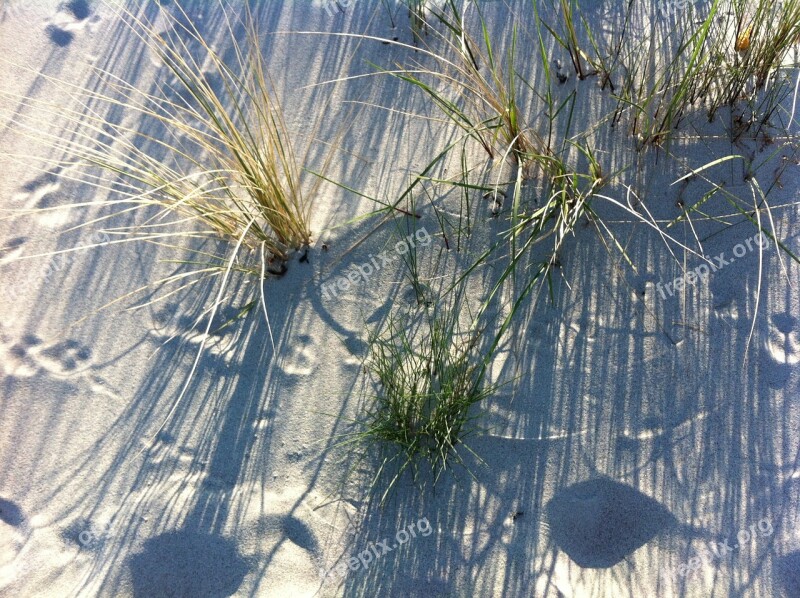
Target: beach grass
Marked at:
238, 128
208, 159
417, 17
567, 38
730, 52
219, 157
485, 81
752, 45
211, 158
212, 147
429, 378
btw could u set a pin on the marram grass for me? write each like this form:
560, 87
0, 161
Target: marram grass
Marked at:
429, 379
209, 158
211, 146
245, 154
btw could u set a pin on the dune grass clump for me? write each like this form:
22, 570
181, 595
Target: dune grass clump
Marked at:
211, 146
481, 92
659, 90
492, 85
751, 46
244, 176
485, 83
200, 157
488, 108
568, 38
428, 379
718, 55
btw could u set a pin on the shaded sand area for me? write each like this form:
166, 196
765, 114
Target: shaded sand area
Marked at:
638, 426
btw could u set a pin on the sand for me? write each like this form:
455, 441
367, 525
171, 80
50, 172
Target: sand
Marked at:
640, 430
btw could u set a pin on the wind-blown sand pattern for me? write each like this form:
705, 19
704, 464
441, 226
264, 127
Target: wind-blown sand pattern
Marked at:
630, 433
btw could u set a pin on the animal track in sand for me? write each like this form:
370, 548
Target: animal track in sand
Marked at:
31, 355
15, 530
172, 323
64, 357
300, 359
781, 349
783, 343
10, 513
35, 190
71, 17
60, 37
79, 9
291, 517
41, 194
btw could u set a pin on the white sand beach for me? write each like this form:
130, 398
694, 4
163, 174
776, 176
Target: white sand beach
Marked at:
643, 438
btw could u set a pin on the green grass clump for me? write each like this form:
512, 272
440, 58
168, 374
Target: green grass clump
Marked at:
486, 84
751, 46
659, 89
725, 53
568, 38
428, 377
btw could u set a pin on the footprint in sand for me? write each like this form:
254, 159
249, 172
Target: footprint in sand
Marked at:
31, 355
42, 194
200, 564
70, 18
60, 37
79, 9
294, 530
781, 349
64, 357
300, 360
34, 191
174, 323
10, 513
14, 531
